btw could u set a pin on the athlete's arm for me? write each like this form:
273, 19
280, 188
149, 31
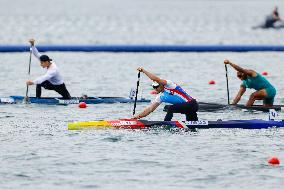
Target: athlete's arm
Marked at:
34, 49
250, 73
239, 95
147, 110
152, 76
49, 74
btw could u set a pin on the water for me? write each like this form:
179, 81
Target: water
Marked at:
137, 22
37, 150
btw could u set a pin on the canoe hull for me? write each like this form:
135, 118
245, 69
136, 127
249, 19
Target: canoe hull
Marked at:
74, 100
144, 124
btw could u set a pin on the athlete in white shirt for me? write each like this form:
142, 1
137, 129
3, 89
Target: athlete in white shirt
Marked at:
52, 79
170, 92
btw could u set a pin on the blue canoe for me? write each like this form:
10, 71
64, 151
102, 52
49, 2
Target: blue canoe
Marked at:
73, 100
242, 124
229, 124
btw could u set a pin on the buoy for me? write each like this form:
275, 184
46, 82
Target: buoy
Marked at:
273, 160
264, 73
211, 82
82, 105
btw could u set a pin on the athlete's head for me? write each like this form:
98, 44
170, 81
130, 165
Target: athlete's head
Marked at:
44, 61
241, 76
275, 11
158, 87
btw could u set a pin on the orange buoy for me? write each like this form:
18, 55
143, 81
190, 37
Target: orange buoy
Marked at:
273, 161
211, 82
82, 105
264, 73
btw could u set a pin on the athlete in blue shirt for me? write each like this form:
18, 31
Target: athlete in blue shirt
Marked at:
253, 80
170, 92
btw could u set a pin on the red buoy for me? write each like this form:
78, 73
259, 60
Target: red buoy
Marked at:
82, 105
211, 82
264, 73
273, 161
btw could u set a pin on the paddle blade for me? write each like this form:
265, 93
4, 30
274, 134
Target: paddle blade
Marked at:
26, 100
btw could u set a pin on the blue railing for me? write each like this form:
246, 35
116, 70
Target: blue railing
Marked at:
145, 48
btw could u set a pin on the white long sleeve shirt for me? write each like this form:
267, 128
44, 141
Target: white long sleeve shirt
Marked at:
52, 73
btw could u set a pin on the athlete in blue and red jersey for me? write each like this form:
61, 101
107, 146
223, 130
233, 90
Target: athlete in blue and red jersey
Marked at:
170, 92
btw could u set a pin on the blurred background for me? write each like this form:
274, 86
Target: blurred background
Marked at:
137, 21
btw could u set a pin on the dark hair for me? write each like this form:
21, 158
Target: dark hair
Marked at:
44, 58
155, 87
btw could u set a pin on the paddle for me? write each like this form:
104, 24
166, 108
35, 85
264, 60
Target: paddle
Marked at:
27, 89
228, 93
136, 94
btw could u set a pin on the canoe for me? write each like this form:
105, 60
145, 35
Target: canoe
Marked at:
144, 124
209, 107
73, 100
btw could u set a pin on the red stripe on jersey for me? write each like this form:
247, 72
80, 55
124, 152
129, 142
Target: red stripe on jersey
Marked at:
180, 93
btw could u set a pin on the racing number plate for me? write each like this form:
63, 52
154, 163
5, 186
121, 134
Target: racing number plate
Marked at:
202, 122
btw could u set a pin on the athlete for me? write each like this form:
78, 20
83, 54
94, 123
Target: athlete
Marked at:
170, 92
270, 20
52, 79
251, 79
